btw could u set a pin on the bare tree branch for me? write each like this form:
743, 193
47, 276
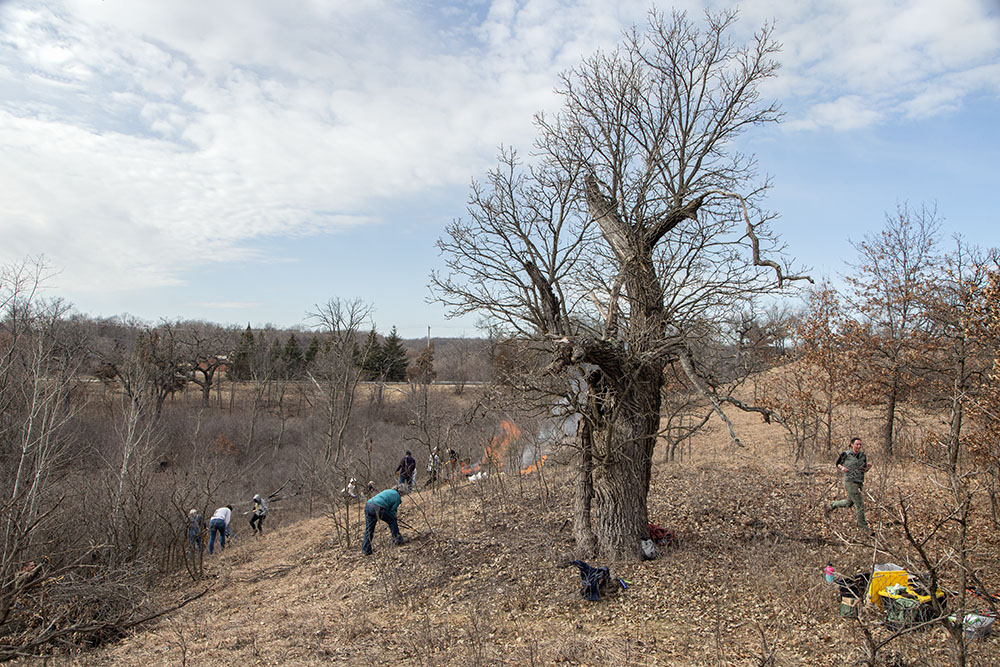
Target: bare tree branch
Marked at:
755, 242
699, 384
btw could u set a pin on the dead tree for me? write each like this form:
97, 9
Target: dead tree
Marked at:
632, 236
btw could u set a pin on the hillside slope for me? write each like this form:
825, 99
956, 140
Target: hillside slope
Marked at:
484, 580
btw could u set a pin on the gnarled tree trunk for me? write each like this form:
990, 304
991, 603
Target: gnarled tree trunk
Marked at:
583, 528
623, 455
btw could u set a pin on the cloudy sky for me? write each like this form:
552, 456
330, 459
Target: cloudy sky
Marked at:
243, 160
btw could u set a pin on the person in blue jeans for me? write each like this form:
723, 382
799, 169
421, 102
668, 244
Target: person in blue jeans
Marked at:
219, 525
382, 506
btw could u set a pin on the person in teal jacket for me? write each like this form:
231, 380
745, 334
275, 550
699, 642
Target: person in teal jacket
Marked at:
382, 506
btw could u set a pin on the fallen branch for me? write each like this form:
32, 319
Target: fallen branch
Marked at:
51, 634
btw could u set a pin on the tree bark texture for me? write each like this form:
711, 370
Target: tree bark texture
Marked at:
583, 529
623, 456
957, 412
890, 420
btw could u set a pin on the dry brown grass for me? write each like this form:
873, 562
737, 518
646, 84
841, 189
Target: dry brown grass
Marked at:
484, 580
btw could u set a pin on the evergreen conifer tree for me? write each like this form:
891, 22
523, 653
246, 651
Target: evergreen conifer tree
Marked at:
313, 350
239, 364
293, 357
372, 357
394, 357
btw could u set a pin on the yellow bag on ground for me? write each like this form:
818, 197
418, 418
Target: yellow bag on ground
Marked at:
883, 577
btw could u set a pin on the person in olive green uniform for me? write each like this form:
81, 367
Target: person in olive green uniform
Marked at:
854, 464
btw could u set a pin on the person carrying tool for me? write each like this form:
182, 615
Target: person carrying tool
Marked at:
257, 515
433, 464
407, 468
383, 506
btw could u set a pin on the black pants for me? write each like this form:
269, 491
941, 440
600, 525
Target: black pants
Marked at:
257, 523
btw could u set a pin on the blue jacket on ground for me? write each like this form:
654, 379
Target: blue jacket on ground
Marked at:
593, 578
389, 499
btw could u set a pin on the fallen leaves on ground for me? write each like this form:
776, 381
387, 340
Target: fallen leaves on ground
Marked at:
484, 580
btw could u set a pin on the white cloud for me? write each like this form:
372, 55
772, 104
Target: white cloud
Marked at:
142, 133
138, 137
846, 113
949, 91
892, 54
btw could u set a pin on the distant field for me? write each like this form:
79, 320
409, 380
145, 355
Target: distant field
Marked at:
226, 392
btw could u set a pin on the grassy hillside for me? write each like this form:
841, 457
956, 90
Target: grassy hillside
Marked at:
484, 581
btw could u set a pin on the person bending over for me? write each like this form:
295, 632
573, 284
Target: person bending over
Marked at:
382, 507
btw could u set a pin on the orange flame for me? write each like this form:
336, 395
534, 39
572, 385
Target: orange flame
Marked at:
509, 432
534, 466
494, 452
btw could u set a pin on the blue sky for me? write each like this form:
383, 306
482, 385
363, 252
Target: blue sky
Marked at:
243, 160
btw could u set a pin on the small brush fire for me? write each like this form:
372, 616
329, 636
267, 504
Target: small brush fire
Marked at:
534, 466
509, 432
493, 456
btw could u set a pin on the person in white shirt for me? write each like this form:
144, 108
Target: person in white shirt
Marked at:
433, 464
219, 524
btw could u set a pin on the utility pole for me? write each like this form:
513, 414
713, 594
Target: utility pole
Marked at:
428, 336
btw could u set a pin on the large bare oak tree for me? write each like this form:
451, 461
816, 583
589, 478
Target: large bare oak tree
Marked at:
627, 241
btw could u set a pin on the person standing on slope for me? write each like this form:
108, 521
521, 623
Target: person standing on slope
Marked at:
257, 515
433, 465
406, 469
195, 528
